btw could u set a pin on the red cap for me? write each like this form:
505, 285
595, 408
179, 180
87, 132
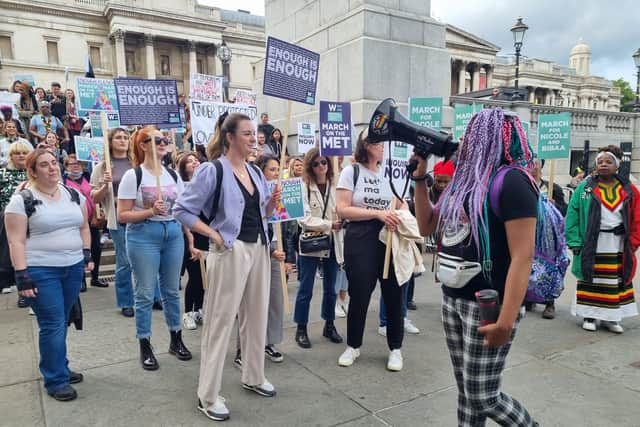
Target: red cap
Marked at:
444, 168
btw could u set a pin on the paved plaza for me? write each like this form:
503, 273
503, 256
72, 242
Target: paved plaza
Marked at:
564, 375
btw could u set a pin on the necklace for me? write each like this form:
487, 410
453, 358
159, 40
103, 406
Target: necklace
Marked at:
240, 174
48, 194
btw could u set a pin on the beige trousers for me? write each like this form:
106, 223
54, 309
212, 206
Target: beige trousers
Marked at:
238, 283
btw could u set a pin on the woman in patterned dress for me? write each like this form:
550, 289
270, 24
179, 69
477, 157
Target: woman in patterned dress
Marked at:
603, 231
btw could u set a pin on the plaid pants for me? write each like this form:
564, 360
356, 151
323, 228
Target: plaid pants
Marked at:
478, 369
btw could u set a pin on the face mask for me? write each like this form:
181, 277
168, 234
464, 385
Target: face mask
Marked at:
74, 175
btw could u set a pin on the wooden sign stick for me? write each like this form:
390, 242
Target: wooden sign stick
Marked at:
387, 253
152, 144
107, 156
203, 270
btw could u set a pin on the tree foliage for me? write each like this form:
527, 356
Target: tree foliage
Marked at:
628, 95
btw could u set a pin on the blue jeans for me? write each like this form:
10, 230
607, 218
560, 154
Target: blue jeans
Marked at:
405, 299
58, 290
307, 266
124, 285
155, 250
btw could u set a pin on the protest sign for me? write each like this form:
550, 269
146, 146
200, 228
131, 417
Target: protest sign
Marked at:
525, 126
25, 78
554, 136
96, 94
400, 154
335, 128
148, 102
9, 98
462, 116
204, 87
291, 206
306, 137
205, 114
113, 121
290, 72
246, 97
426, 112
89, 149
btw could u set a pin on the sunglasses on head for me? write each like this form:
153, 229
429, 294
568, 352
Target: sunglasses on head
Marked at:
159, 140
322, 162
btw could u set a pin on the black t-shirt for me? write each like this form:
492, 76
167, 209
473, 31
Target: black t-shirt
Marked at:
251, 226
518, 199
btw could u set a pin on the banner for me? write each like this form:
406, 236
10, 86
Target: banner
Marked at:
148, 102
554, 136
96, 94
291, 206
335, 129
246, 97
290, 72
306, 137
205, 114
462, 116
426, 112
113, 121
26, 78
89, 149
204, 87
9, 98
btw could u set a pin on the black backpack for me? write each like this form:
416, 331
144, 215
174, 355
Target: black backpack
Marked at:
31, 202
138, 171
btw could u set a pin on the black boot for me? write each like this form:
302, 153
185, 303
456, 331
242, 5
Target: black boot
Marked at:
301, 337
147, 357
177, 347
331, 332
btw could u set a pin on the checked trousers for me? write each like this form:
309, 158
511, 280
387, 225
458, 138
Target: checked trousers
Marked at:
478, 369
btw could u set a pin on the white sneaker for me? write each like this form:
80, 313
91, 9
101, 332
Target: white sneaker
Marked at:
382, 330
614, 327
9, 290
266, 389
31, 312
340, 311
410, 327
217, 412
349, 356
395, 360
188, 321
197, 316
589, 325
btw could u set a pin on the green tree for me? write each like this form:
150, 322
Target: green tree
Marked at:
628, 95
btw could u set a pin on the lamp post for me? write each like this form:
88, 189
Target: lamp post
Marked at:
636, 60
224, 55
518, 31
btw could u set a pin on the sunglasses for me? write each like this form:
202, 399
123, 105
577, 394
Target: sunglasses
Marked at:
322, 162
159, 140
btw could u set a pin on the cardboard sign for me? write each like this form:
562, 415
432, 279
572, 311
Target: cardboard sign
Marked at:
291, 207
462, 115
306, 137
148, 102
554, 136
89, 149
96, 94
113, 121
335, 129
205, 114
204, 87
246, 97
426, 112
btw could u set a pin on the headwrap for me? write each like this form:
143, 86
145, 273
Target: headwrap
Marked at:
613, 156
444, 168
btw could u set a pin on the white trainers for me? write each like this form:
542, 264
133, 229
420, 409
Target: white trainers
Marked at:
410, 327
188, 321
9, 290
266, 389
589, 325
198, 317
395, 360
614, 327
217, 412
349, 356
339, 310
382, 330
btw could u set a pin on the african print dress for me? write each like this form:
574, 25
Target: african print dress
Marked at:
607, 297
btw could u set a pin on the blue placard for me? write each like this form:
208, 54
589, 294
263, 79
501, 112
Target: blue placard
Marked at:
148, 102
335, 129
290, 72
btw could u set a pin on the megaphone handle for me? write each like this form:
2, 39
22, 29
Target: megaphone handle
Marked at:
387, 253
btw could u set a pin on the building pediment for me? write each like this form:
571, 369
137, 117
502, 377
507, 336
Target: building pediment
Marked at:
459, 39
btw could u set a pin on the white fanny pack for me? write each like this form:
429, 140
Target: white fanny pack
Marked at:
454, 271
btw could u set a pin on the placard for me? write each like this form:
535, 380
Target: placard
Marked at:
205, 114
306, 137
400, 154
113, 121
148, 102
426, 112
203, 87
335, 129
246, 97
26, 78
462, 115
291, 206
89, 149
96, 94
290, 72
554, 136
9, 98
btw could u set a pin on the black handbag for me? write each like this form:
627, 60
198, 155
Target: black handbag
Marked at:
315, 241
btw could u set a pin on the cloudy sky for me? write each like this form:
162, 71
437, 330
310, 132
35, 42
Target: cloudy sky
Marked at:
612, 29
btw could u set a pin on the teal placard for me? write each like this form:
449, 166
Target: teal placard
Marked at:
525, 126
113, 121
462, 116
291, 206
554, 136
426, 112
89, 149
96, 94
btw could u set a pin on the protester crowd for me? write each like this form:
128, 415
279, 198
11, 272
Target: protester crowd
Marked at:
202, 214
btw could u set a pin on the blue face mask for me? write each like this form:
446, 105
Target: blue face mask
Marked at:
74, 175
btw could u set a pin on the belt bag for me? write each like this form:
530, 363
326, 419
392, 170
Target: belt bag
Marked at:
454, 271
314, 241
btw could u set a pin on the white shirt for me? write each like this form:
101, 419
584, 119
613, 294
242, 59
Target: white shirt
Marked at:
371, 191
146, 195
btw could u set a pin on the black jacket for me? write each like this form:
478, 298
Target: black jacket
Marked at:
557, 196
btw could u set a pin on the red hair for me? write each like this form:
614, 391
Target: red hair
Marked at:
138, 138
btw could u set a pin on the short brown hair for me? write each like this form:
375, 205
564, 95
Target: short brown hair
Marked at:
307, 174
360, 154
32, 160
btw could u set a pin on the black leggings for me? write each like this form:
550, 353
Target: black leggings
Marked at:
364, 263
96, 251
194, 293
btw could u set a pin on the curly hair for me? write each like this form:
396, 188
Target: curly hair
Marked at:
613, 149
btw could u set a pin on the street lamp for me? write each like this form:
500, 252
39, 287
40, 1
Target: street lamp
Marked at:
518, 31
636, 59
224, 55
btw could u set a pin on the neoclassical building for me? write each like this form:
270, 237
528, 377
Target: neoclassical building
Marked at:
137, 38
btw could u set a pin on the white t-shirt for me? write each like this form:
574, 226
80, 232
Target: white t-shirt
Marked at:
371, 191
54, 229
147, 194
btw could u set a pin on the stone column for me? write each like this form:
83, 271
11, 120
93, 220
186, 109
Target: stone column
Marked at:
211, 60
475, 78
193, 64
552, 98
547, 97
462, 77
532, 95
488, 69
121, 60
150, 56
